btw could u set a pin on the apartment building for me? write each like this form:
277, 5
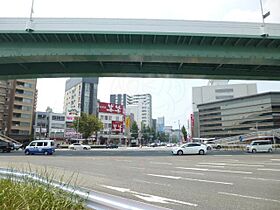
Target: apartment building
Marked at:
22, 101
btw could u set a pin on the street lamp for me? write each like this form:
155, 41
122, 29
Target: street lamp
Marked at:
263, 32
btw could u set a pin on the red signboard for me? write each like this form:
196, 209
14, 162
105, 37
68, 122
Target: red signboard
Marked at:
110, 108
117, 126
192, 120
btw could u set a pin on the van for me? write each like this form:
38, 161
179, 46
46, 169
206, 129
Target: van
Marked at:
260, 146
45, 147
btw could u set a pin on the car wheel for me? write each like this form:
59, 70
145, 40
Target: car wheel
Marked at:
180, 152
201, 152
85, 148
219, 147
254, 150
27, 152
209, 148
46, 153
270, 150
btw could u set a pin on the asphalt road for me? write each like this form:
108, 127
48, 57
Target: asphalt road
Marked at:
218, 180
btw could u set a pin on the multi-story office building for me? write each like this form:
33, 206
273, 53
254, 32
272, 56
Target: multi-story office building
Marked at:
239, 116
220, 90
139, 105
217, 90
112, 116
21, 108
121, 99
144, 102
49, 125
168, 130
136, 112
80, 96
154, 125
160, 124
41, 125
57, 125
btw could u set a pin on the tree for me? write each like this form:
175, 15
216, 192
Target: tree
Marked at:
185, 134
163, 137
87, 125
134, 130
49, 109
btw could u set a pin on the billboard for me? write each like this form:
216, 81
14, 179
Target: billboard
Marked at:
111, 108
192, 120
117, 126
71, 114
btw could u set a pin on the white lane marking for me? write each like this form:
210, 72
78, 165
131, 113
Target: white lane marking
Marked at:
217, 170
262, 179
273, 164
165, 176
190, 179
195, 169
143, 181
161, 163
268, 169
232, 164
275, 159
247, 196
210, 166
187, 172
209, 181
148, 197
229, 171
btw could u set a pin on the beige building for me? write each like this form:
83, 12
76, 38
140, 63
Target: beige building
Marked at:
22, 101
5, 88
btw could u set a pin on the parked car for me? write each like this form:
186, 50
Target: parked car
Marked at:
259, 146
112, 146
190, 148
212, 145
45, 147
78, 146
5, 146
16, 146
153, 145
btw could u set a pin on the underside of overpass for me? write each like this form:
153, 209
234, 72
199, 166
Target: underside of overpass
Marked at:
94, 47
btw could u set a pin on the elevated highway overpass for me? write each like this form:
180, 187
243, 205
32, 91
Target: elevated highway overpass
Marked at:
66, 47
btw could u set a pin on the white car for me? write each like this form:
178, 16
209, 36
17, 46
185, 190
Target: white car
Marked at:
212, 145
78, 146
259, 146
190, 148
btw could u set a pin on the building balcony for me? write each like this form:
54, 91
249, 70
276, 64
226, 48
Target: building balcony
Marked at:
21, 128
22, 95
22, 119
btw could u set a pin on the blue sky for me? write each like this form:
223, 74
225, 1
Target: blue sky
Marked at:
171, 97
